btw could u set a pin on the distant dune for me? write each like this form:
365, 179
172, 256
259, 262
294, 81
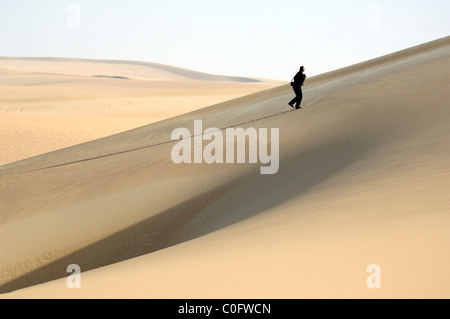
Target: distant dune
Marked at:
130, 69
47, 104
364, 179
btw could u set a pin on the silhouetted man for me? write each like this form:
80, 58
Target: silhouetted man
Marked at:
298, 82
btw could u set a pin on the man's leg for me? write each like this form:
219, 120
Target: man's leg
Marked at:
293, 101
299, 98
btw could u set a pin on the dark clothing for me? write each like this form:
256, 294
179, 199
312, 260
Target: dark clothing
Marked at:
298, 97
299, 81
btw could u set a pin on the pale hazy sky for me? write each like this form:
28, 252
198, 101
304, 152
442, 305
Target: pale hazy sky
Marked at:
260, 38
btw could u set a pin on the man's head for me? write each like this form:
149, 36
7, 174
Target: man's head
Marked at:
302, 69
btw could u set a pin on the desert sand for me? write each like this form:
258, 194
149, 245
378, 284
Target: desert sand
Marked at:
47, 104
364, 179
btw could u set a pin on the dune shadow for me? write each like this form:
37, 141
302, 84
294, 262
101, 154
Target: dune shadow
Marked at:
245, 80
111, 77
295, 178
143, 238
174, 226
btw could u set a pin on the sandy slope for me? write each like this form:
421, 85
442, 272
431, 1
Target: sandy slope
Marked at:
364, 179
47, 104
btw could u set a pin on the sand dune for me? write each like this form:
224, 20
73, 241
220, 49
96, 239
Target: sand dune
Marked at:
47, 104
124, 69
364, 179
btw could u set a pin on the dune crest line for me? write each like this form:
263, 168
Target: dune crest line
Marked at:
152, 145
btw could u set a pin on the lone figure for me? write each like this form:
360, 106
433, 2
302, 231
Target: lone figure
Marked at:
297, 83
